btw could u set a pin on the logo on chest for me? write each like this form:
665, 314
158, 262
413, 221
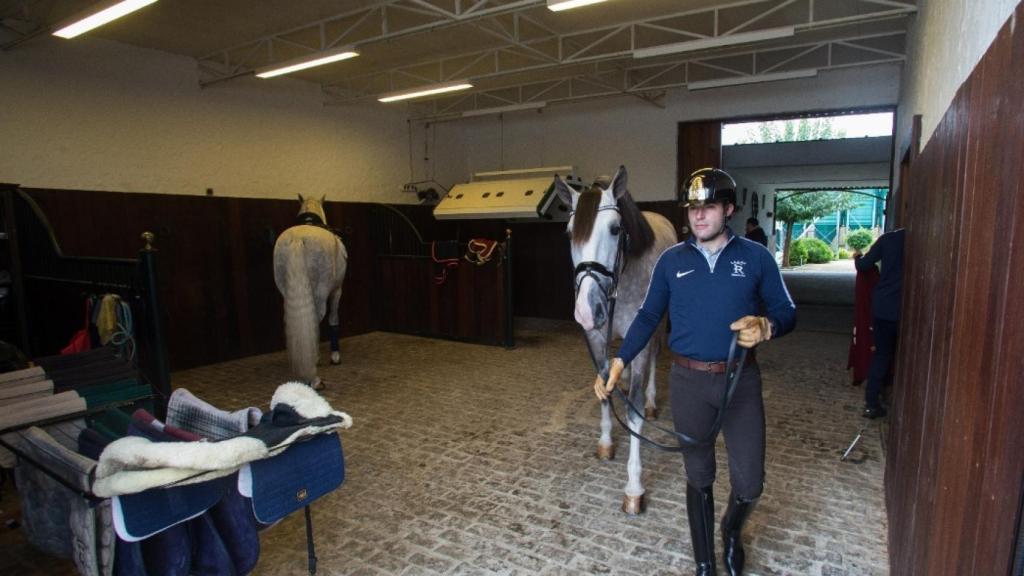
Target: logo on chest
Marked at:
737, 268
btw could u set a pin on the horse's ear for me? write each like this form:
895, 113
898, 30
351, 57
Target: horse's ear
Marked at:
301, 199
563, 190
323, 198
619, 182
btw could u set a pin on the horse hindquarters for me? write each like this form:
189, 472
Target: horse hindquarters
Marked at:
301, 323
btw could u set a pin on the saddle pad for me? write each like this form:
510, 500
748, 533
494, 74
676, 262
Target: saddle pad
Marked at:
294, 478
140, 515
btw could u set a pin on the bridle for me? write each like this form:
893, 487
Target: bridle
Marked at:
594, 270
734, 367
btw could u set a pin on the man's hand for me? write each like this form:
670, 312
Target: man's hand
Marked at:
602, 389
752, 330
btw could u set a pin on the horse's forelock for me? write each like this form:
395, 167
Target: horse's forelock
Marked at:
585, 214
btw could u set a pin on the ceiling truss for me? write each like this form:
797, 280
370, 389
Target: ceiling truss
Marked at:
527, 60
526, 43
651, 81
549, 51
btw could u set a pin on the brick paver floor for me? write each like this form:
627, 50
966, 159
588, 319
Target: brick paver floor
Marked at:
468, 459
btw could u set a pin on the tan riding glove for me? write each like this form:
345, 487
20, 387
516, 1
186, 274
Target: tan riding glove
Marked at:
604, 390
752, 330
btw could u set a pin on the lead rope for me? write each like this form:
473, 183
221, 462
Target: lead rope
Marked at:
733, 372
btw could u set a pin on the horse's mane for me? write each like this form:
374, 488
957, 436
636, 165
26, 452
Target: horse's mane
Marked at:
641, 236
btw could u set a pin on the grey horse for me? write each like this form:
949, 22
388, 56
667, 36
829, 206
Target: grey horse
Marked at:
310, 262
602, 216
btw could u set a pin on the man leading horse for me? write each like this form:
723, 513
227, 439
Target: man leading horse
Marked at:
713, 285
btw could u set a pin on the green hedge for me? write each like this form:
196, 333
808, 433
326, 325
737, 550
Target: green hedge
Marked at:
860, 239
817, 251
797, 253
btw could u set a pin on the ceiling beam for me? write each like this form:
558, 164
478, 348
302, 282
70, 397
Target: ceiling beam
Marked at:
485, 15
535, 56
381, 13
561, 90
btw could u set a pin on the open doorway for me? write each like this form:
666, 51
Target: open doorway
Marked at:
825, 227
810, 156
812, 182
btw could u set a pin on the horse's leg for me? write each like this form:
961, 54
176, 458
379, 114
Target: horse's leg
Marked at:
332, 322
650, 407
605, 445
633, 500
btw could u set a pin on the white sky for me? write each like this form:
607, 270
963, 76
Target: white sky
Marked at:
855, 125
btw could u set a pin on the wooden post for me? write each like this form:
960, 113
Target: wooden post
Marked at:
156, 367
510, 339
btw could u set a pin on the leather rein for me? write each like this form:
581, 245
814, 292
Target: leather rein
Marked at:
734, 366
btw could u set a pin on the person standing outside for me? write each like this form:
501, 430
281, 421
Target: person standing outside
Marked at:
885, 309
712, 285
755, 232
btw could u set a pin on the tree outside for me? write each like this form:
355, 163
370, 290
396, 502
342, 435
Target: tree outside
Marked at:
805, 206
800, 130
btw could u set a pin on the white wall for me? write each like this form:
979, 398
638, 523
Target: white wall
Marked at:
947, 39
598, 136
840, 151
97, 115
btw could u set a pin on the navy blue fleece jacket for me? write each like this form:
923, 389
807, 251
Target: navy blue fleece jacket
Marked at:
702, 301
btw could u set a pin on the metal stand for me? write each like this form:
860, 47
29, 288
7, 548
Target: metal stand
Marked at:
310, 549
856, 439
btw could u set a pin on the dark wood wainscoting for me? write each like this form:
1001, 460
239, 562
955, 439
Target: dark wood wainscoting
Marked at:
215, 265
956, 459
215, 270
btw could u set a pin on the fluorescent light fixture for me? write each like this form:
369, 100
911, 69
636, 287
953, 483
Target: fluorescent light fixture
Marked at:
309, 61
97, 16
503, 109
425, 91
718, 41
559, 5
740, 80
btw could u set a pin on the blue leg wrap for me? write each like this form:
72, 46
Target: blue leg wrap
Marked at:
334, 338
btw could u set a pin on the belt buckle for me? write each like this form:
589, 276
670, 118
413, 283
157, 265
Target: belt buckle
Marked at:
709, 367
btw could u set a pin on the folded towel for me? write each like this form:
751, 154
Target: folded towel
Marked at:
23, 398
55, 518
27, 375
186, 411
22, 388
21, 413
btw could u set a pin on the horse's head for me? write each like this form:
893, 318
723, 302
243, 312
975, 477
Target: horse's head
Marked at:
596, 233
314, 206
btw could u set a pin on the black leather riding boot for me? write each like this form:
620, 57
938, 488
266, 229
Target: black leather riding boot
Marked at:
700, 508
736, 515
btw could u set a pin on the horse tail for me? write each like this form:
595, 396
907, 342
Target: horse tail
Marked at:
301, 326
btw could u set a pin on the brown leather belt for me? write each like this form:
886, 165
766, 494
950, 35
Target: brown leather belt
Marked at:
701, 366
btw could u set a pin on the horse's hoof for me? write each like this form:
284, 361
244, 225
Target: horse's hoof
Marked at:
651, 413
605, 451
633, 505
335, 358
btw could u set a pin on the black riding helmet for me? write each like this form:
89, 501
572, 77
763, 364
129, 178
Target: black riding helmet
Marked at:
708, 185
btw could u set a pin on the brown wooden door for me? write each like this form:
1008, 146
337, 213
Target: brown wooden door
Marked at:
700, 146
